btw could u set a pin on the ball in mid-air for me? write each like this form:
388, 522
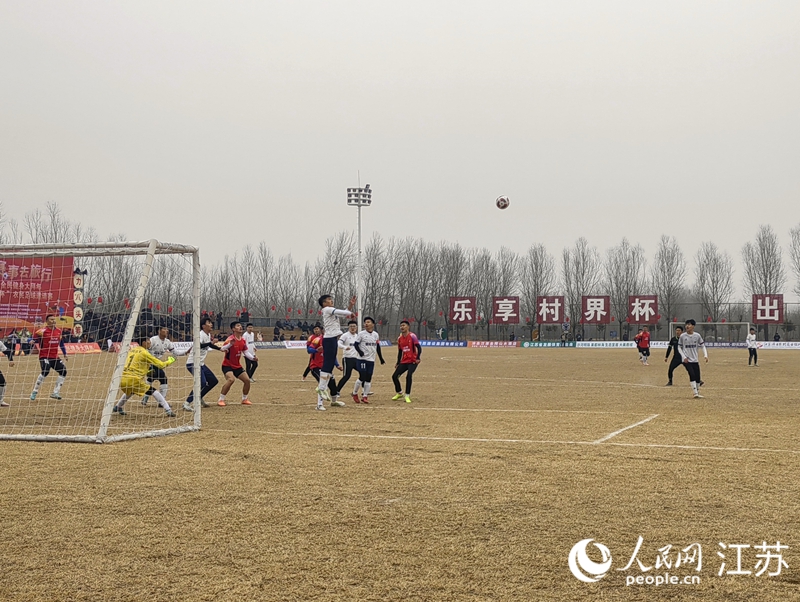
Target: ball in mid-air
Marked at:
502, 202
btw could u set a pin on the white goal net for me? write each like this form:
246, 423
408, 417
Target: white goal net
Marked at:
71, 319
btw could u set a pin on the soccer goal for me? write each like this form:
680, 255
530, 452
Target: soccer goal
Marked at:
717, 332
93, 303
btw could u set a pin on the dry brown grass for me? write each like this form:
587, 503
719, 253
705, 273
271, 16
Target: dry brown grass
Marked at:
442, 499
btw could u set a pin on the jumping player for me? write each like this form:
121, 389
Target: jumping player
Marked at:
9, 353
687, 345
208, 379
234, 348
676, 356
367, 344
133, 381
50, 343
752, 348
331, 332
349, 353
408, 357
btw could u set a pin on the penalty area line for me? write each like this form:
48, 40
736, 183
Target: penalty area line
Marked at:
622, 430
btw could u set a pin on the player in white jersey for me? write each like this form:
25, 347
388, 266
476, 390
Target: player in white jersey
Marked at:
367, 345
160, 346
688, 345
332, 330
208, 380
349, 353
250, 357
9, 353
752, 348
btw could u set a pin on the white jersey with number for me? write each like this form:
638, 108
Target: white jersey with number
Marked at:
346, 343
330, 321
368, 343
688, 345
159, 347
751, 341
205, 338
250, 337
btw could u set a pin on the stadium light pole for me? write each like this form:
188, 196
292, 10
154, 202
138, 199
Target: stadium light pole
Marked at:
359, 197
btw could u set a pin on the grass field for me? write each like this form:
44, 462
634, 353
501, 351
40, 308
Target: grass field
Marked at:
477, 490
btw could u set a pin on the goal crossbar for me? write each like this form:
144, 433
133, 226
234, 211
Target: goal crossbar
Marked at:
96, 249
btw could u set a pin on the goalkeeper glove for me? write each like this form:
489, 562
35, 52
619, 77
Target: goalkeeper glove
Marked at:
170, 360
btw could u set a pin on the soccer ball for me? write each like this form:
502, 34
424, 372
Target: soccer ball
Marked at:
502, 202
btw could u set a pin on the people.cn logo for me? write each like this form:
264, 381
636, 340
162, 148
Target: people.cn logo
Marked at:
583, 567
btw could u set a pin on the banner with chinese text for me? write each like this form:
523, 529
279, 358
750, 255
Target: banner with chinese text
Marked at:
30, 288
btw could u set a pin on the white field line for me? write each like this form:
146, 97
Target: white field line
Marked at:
622, 430
406, 408
483, 440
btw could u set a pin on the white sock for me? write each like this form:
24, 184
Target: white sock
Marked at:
122, 400
356, 387
324, 378
367, 387
2, 392
161, 401
244, 397
221, 397
319, 400
694, 388
59, 382
39, 381
163, 389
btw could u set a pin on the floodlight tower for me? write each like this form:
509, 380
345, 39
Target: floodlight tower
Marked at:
359, 197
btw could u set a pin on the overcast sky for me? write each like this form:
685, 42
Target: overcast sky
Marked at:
226, 123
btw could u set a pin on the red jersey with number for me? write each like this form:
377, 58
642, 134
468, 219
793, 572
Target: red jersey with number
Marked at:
49, 343
317, 360
643, 340
408, 345
233, 354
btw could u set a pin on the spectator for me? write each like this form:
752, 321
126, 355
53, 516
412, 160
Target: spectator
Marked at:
777, 337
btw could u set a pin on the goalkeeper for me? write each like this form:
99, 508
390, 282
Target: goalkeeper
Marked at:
133, 381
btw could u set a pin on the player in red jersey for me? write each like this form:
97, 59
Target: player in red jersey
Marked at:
315, 349
50, 343
408, 357
234, 347
643, 344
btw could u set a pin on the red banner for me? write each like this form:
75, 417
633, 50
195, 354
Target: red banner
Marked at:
550, 310
596, 309
463, 310
31, 288
82, 348
643, 309
505, 310
768, 309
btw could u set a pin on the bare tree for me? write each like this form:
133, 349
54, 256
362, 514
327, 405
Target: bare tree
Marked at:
52, 227
713, 279
481, 282
9, 229
537, 278
624, 276
668, 275
763, 264
451, 267
379, 278
263, 272
794, 255
581, 274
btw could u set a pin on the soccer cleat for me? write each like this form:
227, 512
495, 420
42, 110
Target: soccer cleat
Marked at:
356, 398
364, 399
55, 396
119, 411
370, 393
408, 398
397, 397
188, 407
3, 404
171, 414
204, 404
698, 396
321, 407
247, 402
669, 384
338, 403
700, 384
221, 403
33, 396
324, 393
144, 400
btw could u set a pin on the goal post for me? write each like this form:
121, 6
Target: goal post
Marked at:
103, 297
728, 332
